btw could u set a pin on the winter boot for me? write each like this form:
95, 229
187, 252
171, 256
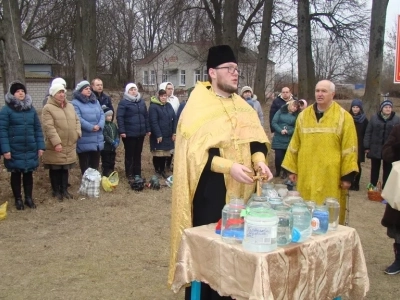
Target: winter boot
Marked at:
16, 189
64, 185
55, 178
28, 196
394, 268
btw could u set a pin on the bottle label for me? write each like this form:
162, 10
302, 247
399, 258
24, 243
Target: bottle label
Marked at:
259, 234
315, 224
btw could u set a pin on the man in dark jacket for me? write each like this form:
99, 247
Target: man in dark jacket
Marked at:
279, 101
104, 99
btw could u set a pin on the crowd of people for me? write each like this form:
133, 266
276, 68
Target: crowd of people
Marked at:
216, 138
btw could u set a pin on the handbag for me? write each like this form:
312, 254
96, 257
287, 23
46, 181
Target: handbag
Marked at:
391, 192
90, 184
110, 183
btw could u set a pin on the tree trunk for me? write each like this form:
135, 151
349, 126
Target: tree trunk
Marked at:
231, 12
263, 49
12, 57
306, 72
85, 40
375, 57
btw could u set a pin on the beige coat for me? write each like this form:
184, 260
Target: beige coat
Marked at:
60, 125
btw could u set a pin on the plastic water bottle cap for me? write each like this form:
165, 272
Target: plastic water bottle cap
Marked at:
296, 235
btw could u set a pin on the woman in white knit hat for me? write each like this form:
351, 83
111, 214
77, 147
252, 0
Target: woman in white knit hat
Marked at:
133, 126
62, 129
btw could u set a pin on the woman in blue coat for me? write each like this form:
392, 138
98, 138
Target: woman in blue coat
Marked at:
163, 130
92, 120
283, 124
133, 126
21, 140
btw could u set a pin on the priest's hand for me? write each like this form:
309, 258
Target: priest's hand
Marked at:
264, 170
293, 177
345, 185
238, 172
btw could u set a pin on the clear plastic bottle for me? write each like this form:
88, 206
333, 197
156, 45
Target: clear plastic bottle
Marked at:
285, 224
320, 219
232, 229
301, 223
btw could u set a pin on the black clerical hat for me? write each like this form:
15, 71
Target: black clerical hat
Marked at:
219, 55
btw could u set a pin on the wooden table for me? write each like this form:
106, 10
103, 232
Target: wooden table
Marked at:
324, 267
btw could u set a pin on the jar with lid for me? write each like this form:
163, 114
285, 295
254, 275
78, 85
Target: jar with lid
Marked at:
301, 222
285, 224
320, 219
232, 228
260, 229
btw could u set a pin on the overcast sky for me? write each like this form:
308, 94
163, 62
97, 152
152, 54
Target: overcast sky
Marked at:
391, 15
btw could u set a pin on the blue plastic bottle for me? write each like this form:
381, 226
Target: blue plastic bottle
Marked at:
320, 220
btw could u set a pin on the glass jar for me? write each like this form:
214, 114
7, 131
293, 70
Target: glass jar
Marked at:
260, 230
285, 224
269, 191
232, 228
320, 219
334, 209
258, 201
310, 205
301, 222
274, 202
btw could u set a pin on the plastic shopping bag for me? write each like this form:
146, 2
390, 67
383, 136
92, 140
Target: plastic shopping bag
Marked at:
110, 183
90, 184
3, 210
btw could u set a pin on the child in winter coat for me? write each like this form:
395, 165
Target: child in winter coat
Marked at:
111, 142
21, 140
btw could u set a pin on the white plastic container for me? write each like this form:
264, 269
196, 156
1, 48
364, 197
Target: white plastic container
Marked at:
260, 230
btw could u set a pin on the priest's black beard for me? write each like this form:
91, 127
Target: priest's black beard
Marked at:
226, 88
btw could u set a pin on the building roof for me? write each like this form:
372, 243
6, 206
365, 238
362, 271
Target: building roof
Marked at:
199, 51
35, 56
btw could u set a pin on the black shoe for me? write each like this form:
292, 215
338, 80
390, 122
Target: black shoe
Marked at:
29, 202
276, 175
393, 269
162, 173
58, 195
18, 204
67, 195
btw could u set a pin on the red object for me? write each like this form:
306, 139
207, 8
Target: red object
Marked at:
219, 224
231, 222
397, 55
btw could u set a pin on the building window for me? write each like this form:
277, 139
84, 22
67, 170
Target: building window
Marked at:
152, 77
197, 76
205, 75
145, 77
182, 78
164, 76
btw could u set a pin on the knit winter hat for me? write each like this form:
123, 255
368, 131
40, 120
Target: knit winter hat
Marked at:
108, 113
384, 103
55, 88
129, 86
246, 89
304, 103
15, 86
219, 55
82, 85
356, 102
59, 80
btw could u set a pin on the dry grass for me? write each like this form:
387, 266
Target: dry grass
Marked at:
117, 246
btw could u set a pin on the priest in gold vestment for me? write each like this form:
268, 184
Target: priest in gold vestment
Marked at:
219, 144
322, 154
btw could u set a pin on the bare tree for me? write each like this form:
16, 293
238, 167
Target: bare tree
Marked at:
375, 58
263, 50
85, 40
11, 55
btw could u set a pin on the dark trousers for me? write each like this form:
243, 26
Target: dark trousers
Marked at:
107, 162
159, 163
279, 156
27, 182
168, 161
356, 182
89, 159
375, 168
133, 155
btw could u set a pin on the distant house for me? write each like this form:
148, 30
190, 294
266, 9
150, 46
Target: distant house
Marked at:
38, 72
185, 64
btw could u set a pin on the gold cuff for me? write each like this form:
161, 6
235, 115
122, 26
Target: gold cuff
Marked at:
258, 157
221, 165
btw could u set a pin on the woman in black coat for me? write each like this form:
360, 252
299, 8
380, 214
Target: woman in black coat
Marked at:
163, 130
133, 126
391, 217
378, 130
361, 123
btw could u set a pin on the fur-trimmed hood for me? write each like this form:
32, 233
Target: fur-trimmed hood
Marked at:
78, 96
18, 105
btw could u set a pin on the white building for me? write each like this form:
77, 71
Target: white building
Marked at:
185, 64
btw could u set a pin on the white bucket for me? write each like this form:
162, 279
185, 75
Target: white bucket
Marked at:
260, 233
